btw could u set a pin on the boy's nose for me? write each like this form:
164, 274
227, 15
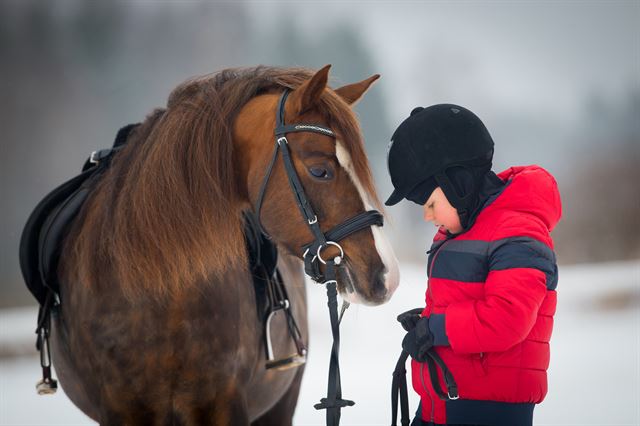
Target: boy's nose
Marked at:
426, 214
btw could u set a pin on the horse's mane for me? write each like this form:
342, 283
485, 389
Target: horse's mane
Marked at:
167, 213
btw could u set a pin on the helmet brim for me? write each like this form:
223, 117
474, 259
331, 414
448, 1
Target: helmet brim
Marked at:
395, 197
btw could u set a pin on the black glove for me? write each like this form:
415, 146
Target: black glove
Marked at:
418, 340
409, 319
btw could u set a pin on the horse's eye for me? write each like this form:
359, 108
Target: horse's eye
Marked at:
320, 172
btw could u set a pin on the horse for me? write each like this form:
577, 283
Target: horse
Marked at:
157, 317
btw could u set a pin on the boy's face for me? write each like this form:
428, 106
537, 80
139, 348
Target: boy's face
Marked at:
438, 210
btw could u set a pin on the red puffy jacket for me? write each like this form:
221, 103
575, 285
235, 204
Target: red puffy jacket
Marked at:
491, 299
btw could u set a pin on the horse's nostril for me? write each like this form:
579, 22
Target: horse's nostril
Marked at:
378, 288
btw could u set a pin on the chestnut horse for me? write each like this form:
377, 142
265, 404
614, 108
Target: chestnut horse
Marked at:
157, 319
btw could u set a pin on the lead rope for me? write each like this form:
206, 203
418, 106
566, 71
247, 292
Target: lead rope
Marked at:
399, 385
399, 389
333, 403
452, 387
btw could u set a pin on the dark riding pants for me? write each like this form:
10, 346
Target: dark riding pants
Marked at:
501, 414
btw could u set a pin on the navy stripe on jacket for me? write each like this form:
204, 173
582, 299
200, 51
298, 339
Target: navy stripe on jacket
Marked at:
470, 261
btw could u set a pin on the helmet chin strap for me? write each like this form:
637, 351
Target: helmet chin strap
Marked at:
484, 184
461, 184
460, 201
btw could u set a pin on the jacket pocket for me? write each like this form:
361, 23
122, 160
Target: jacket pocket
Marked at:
479, 364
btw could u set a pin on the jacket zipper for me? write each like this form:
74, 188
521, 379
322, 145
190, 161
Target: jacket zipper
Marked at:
424, 386
433, 261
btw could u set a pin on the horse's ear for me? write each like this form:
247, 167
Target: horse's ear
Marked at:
351, 93
306, 96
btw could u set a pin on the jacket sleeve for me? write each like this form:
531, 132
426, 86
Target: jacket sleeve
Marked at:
521, 270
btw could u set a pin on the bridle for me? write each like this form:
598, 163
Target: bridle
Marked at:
312, 251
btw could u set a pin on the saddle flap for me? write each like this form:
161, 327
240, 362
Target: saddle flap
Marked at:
32, 234
49, 222
55, 229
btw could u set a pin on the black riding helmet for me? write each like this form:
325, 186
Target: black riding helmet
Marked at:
442, 145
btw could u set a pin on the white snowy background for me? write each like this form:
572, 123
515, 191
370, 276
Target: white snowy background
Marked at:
557, 84
594, 377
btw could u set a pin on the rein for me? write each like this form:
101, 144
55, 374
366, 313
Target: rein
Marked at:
399, 385
334, 402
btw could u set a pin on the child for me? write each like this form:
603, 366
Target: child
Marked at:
492, 272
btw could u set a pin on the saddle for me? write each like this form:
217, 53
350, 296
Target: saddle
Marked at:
49, 222
48, 225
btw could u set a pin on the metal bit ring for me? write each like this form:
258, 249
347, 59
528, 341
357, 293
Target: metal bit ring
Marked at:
329, 243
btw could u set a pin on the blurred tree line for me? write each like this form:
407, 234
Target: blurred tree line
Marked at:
601, 195
73, 72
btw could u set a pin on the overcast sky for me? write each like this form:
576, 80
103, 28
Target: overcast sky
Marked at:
543, 58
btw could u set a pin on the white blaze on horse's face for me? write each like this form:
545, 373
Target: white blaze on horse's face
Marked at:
387, 256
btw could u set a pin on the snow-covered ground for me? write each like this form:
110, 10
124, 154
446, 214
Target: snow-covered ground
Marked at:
594, 378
